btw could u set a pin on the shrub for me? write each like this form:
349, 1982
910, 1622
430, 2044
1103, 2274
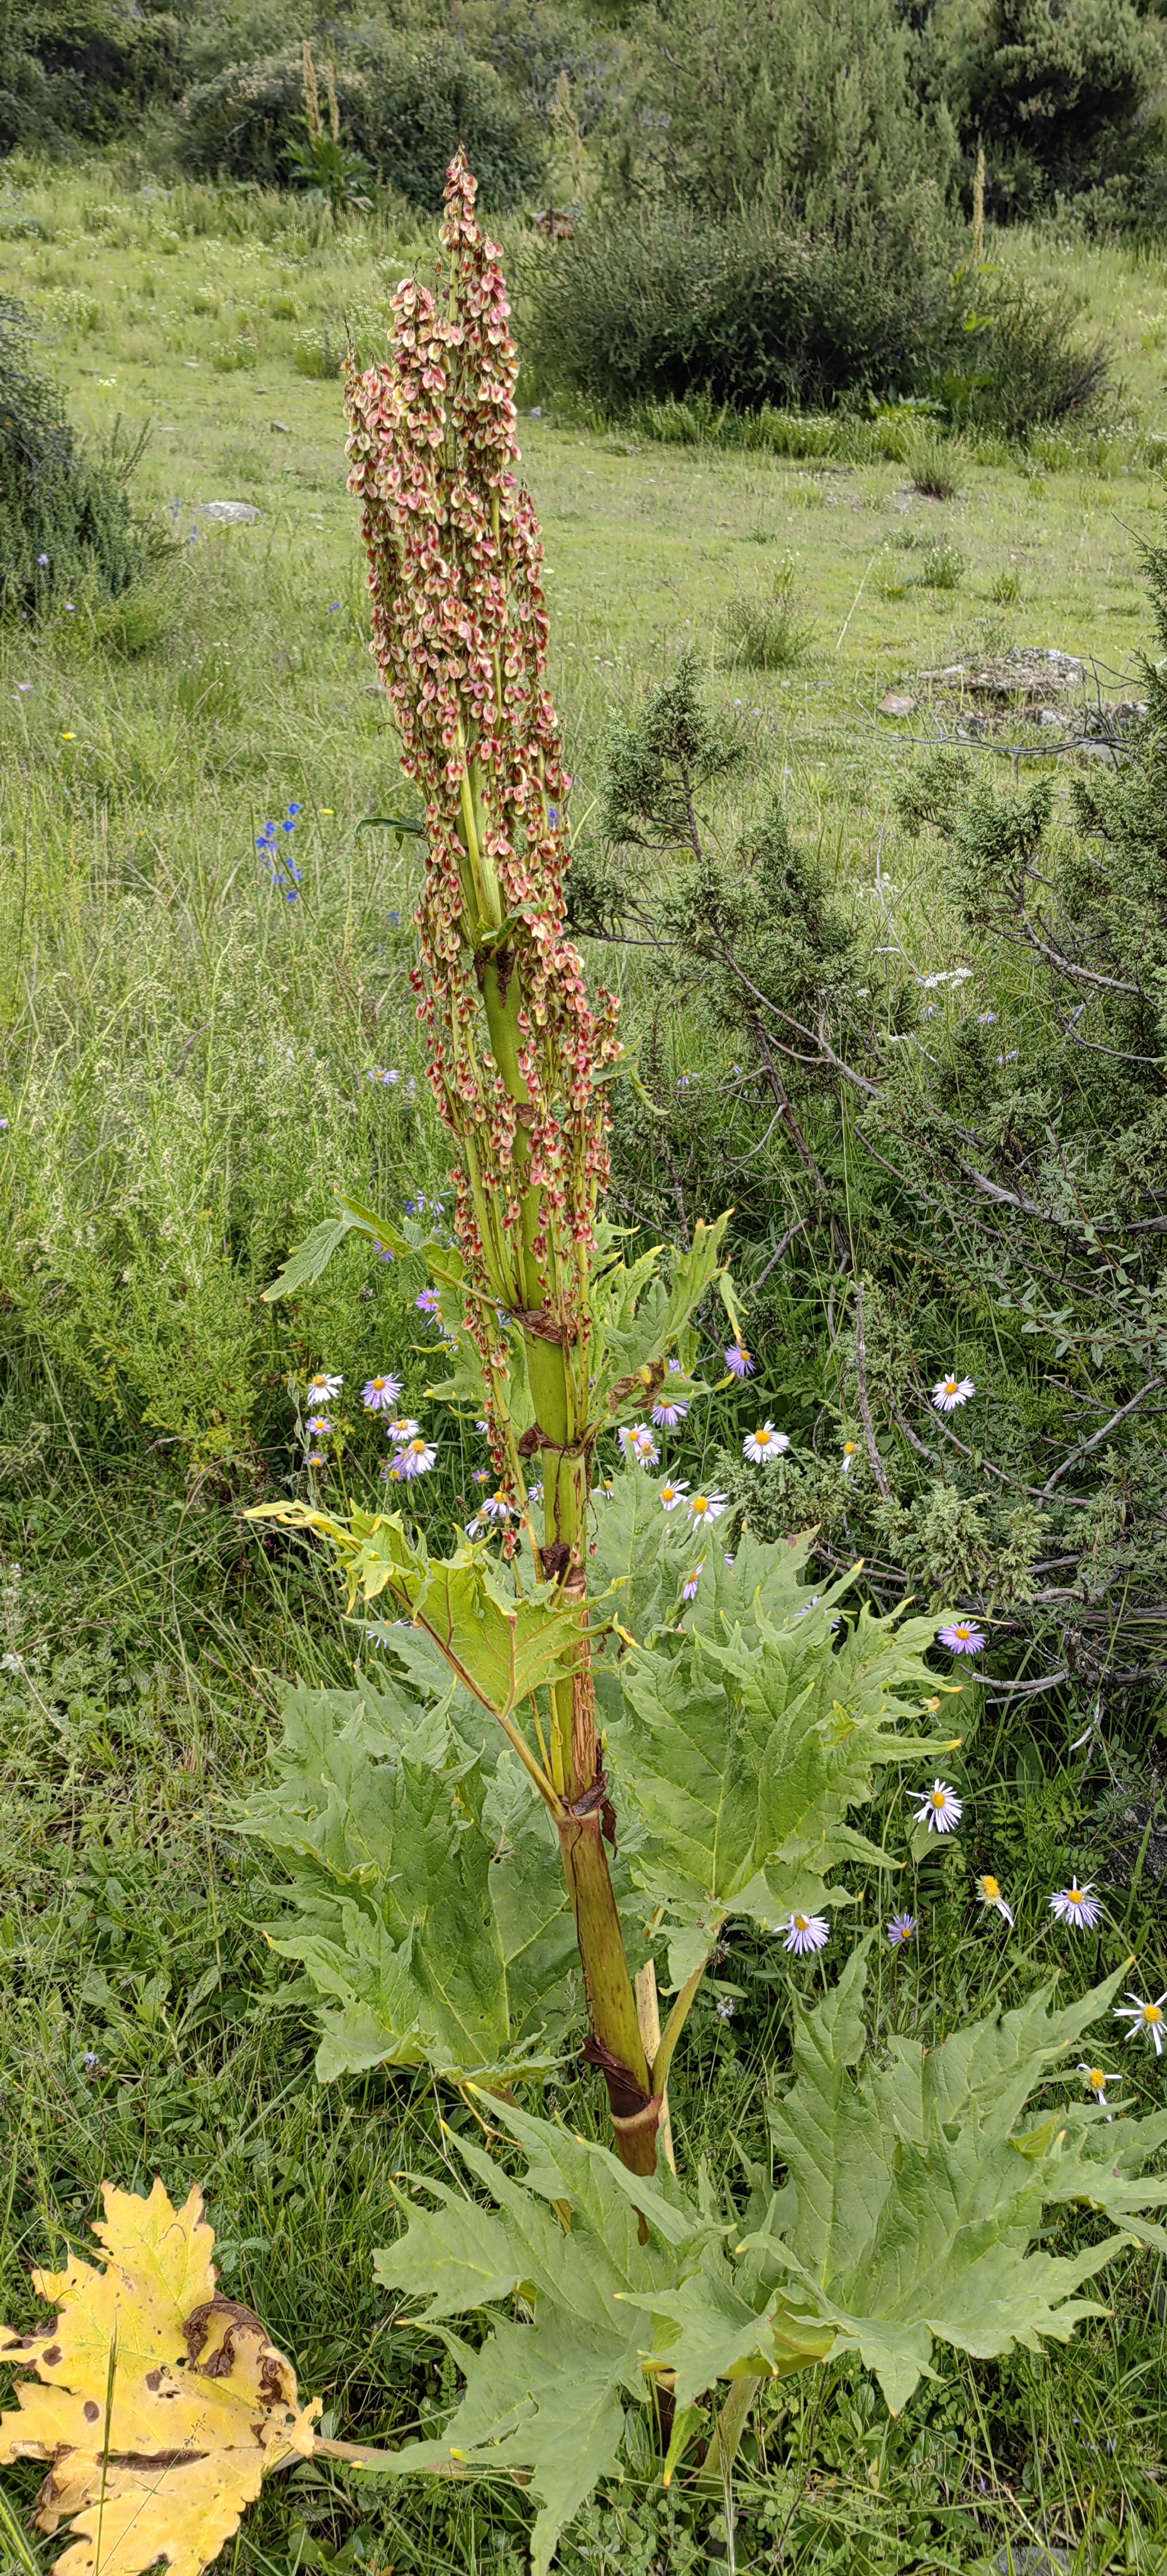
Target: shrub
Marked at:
318, 353
769, 631
1040, 368
686, 316
1061, 98
82, 67
810, 109
405, 104
930, 462
229, 357
751, 310
65, 522
943, 567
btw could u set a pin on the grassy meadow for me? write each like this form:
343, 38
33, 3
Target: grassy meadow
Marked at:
186, 1072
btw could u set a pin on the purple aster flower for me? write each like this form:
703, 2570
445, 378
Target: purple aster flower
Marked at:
806, 1932
379, 1394
900, 1930
689, 1586
428, 1303
962, 1638
738, 1361
1077, 1905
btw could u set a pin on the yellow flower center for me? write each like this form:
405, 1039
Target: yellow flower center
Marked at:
950, 1385
418, 1445
937, 1797
378, 1383
850, 1448
1151, 2012
763, 1438
1097, 2080
802, 1922
700, 1502
990, 1890
1075, 1895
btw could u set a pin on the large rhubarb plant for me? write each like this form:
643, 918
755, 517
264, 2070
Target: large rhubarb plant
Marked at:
593, 1741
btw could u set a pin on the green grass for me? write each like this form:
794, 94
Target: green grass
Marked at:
184, 1072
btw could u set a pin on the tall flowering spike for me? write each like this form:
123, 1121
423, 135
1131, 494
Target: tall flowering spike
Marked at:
460, 636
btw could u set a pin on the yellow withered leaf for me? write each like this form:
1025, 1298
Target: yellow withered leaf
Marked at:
160, 2405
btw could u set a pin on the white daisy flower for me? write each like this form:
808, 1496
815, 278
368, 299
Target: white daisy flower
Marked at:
1078, 1905
806, 1932
402, 1428
707, 1507
948, 1392
1145, 2017
671, 1495
321, 1389
416, 1459
1097, 2078
989, 1895
764, 1443
379, 1393
318, 1426
940, 1808
494, 1507
637, 1442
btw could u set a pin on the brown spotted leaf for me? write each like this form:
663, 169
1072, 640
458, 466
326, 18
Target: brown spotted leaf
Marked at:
159, 2405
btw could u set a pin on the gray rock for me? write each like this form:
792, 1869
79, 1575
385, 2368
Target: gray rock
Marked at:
1031, 2560
229, 514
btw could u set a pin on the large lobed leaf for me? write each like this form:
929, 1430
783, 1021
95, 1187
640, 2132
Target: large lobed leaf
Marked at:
913, 2190
501, 1645
741, 1744
912, 2193
431, 1909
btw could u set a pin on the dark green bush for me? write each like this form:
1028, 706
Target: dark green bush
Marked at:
65, 524
1062, 98
752, 309
1039, 365
82, 68
809, 106
405, 103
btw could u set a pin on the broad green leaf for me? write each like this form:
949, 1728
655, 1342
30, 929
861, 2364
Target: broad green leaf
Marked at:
741, 1745
641, 1557
500, 1644
431, 1910
310, 1258
638, 1319
913, 2210
542, 2401
913, 2191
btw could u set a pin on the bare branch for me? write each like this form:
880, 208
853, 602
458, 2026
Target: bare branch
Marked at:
1096, 1439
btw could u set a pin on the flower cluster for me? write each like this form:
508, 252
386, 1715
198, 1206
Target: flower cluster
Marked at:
460, 635
286, 877
316, 1421
411, 1453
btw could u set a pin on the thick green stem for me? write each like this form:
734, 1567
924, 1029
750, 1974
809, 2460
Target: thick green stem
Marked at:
615, 2045
556, 1347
